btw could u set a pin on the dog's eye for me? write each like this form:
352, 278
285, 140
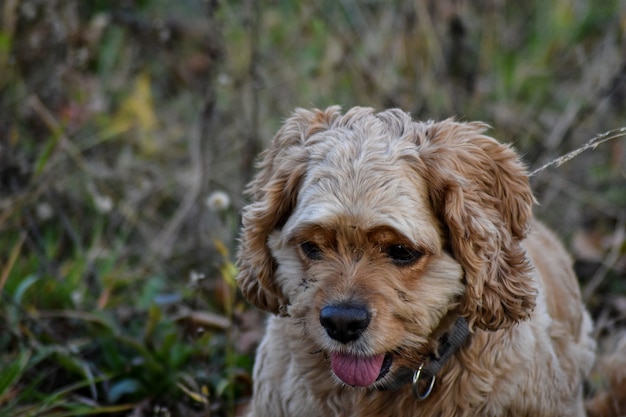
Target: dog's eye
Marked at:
402, 255
311, 250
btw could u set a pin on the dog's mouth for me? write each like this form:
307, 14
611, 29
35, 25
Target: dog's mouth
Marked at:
360, 371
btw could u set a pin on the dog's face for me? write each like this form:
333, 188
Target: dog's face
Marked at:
361, 257
371, 230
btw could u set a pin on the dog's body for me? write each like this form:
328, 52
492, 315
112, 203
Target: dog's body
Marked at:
370, 237
532, 369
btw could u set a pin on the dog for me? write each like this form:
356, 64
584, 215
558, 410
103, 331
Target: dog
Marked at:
406, 275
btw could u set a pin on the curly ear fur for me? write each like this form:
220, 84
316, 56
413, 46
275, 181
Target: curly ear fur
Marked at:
480, 191
274, 192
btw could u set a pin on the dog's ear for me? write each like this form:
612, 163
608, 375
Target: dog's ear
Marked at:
480, 191
274, 193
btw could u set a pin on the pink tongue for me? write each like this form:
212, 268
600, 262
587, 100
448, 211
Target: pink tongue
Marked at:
356, 370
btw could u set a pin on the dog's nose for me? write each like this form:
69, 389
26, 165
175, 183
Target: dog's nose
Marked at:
345, 322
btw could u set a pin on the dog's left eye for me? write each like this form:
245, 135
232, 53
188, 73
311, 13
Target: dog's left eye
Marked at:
402, 255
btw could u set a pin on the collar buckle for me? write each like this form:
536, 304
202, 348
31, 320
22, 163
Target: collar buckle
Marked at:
421, 396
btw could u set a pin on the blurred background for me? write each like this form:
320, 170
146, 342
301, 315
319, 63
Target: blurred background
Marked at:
128, 130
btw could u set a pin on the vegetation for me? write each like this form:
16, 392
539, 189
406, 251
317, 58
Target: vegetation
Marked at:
128, 130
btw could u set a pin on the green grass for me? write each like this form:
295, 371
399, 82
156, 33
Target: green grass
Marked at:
117, 292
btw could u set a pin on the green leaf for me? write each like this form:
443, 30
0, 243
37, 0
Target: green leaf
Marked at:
154, 318
154, 285
127, 386
5, 43
77, 366
24, 286
45, 155
12, 372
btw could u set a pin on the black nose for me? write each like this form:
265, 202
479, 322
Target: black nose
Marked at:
345, 322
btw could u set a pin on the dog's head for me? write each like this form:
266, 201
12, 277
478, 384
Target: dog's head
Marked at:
371, 229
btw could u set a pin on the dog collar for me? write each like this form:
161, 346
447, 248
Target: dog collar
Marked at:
422, 379
449, 343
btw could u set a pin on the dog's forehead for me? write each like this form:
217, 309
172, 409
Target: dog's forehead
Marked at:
365, 178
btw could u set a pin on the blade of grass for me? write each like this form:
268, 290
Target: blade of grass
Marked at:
60, 399
12, 258
87, 410
10, 374
23, 287
591, 144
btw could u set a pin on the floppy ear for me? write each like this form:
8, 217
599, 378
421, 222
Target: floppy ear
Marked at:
274, 193
480, 191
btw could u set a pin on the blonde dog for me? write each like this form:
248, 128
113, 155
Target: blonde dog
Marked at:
406, 275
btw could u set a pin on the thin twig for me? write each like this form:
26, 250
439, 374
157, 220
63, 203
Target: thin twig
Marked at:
593, 143
165, 241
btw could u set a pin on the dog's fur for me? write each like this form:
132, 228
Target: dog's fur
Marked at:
335, 196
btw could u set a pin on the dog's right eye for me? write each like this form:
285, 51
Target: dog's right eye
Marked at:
311, 250
402, 255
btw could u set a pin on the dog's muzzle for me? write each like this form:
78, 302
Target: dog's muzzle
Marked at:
346, 322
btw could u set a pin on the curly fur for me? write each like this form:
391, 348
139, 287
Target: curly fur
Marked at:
354, 185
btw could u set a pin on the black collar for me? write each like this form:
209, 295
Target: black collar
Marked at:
449, 343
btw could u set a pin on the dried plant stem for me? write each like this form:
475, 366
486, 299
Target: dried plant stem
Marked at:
165, 241
593, 143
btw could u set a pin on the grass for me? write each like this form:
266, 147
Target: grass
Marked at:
123, 123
